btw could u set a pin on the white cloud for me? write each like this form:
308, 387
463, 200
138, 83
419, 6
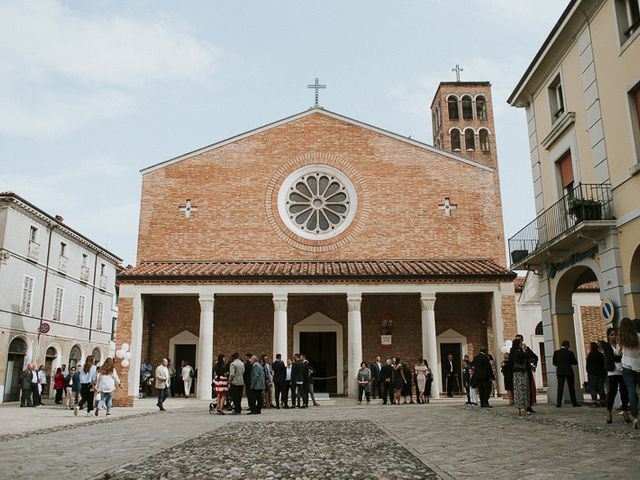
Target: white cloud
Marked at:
86, 68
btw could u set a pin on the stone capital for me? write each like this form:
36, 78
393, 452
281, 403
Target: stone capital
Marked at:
427, 301
353, 302
280, 302
206, 302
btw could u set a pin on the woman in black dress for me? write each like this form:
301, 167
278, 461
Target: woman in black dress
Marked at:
507, 371
408, 384
398, 379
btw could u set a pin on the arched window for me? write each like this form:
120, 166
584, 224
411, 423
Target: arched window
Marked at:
18, 346
455, 140
75, 356
539, 330
484, 139
452, 105
469, 139
481, 107
97, 355
467, 108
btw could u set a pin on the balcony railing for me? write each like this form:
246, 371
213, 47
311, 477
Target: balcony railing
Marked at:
63, 262
84, 274
585, 203
34, 250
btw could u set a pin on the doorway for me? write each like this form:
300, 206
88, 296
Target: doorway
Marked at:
49, 359
320, 350
185, 352
455, 350
15, 366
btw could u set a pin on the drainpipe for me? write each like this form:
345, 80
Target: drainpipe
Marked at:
44, 287
93, 294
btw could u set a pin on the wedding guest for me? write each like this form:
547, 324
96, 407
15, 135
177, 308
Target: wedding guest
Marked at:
221, 383
58, 385
596, 375
613, 358
507, 373
629, 340
364, 382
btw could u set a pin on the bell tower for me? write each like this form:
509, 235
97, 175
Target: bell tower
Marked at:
462, 121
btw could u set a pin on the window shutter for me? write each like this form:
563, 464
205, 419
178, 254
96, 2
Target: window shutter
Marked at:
566, 169
637, 102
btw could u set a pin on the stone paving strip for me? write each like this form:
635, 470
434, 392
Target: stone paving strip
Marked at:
283, 450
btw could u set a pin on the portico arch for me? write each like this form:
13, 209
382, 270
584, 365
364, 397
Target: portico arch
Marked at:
634, 277
319, 322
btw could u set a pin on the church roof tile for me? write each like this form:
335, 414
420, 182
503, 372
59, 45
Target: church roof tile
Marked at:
319, 270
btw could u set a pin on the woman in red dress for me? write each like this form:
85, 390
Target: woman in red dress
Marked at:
221, 383
58, 384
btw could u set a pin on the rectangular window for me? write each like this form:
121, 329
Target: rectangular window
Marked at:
634, 106
102, 267
33, 235
63, 249
27, 295
114, 322
85, 259
565, 167
100, 315
628, 15
80, 313
556, 99
57, 304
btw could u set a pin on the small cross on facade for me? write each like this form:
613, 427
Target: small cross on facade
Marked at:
447, 206
188, 209
316, 86
457, 70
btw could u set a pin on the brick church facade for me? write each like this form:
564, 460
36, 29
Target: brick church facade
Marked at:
323, 234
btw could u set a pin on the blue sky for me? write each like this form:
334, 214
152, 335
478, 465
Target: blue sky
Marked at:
91, 92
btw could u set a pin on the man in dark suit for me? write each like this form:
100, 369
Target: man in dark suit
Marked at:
564, 360
466, 377
297, 382
386, 378
279, 379
26, 398
483, 373
247, 376
376, 385
450, 374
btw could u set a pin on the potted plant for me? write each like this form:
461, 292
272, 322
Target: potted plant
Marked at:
585, 209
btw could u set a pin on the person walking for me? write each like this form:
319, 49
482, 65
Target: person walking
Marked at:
386, 378
596, 374
88, 377
236, 382
629, 339
26, 393
58, 385
106, 384
221, 383
613, 363
364, 383
187, 375
483, 373
279, 379
519, 358
564, 360
258, 386
163, 381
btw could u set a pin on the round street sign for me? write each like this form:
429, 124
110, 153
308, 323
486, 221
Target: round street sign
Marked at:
44, 328
607, 310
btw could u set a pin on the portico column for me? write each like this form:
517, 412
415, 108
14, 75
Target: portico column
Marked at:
137, 325
497, 325
205, 347
355, 342
280, 325
429, 341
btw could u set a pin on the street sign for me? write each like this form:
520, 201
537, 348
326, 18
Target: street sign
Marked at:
607, 311
44, 328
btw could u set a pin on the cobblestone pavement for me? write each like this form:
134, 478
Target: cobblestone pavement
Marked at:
449, 440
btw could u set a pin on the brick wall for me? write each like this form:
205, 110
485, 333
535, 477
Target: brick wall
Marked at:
123, 334
510, 323
234, 187
592, 326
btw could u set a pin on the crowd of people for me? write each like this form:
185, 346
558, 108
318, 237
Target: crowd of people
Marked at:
75, 388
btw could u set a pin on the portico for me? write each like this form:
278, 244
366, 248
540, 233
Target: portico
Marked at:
267, 318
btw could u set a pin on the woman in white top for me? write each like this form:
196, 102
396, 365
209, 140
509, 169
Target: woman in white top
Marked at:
420, 370
106, 384
629, 339
613, 356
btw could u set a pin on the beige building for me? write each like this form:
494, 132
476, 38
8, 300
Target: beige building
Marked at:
581, 94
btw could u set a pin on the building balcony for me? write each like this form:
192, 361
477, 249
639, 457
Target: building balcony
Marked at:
102, 282
33, 252
63, 262
567, 224
84, 274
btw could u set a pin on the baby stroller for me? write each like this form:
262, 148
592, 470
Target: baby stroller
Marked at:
146, 380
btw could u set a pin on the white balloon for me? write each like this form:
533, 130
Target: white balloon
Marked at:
127, 355
508, 344
125, 363
504, 349
119, 353
124, 347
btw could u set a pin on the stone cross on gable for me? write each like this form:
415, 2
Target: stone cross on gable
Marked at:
316, 86
188, 209
447, 206
457, 70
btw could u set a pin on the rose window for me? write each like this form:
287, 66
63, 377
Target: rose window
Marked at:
317, 202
